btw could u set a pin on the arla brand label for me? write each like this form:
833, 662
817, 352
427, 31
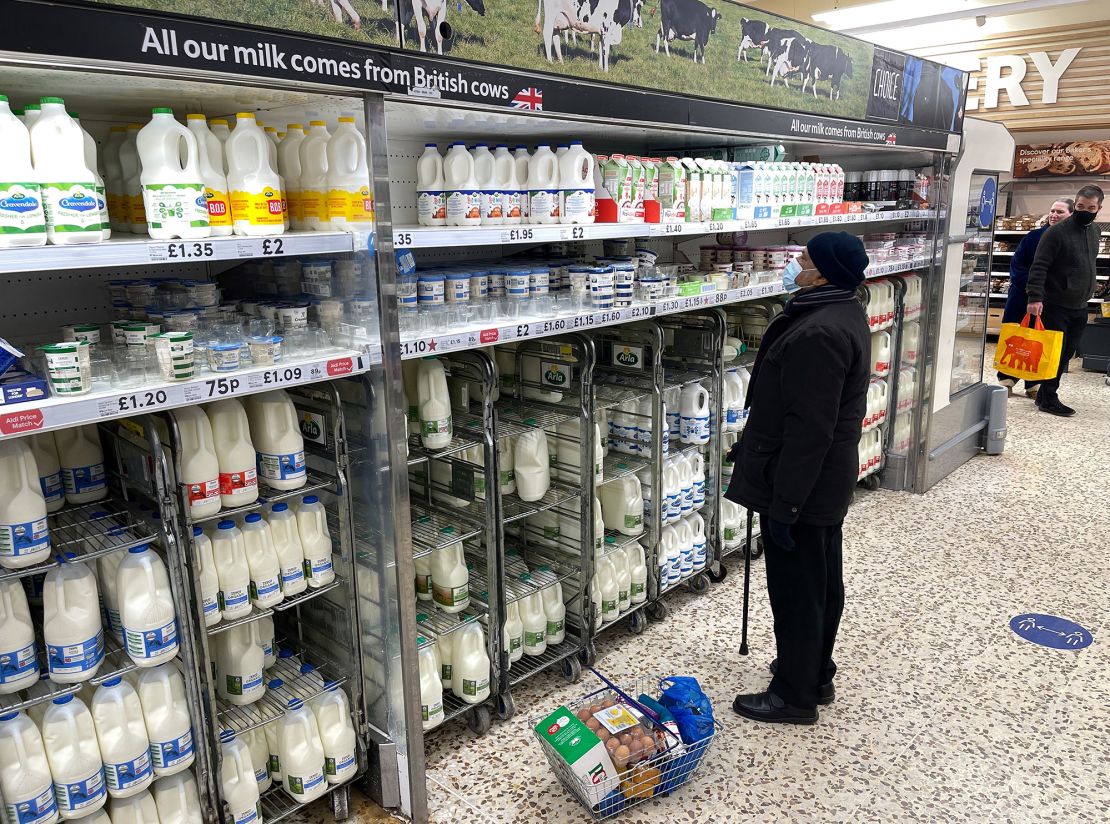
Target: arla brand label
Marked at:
149, 643
581, 750
202, 493
170, 205
490, 205
24, 538
218, 206
232, 482
554, 374
17, 663
464, 204
81, 795
284, 467
81, 479
42, 808
21, 211
123, 774
630, 357
351, 206
68, 659
431, 206
71, 207
265, 208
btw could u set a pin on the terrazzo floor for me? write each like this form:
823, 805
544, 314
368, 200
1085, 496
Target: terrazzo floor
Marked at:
942, 713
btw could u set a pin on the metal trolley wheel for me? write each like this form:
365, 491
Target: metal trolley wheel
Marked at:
478, 719
717, 572
657, 610
638, 622
756, 549
572, 669
588, 655
506, 707
871, 482
699, 584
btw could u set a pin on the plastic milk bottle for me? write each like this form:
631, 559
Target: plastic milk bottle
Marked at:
82, 462
72, 626
277, 439
232, 570
289, 167
234, 451
177, 799
522, 160
543, 185
199, 468
461, 187
173, 187
146, 607
24, 536
434, 404
121, 734
470, 665
508, 185
350, 201
316, 543
337, 733
22, 219
262, 560
287, 544
257, 206
576, 185
69, 737
68, 185
431, 204
489, 196
431, 690
240, 789
18, 651
25, 780
212, 175
166, 714
118, 207
239, 660
302, 753
130, 169
531, 465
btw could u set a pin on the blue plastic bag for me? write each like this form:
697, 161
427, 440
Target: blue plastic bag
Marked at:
684, 699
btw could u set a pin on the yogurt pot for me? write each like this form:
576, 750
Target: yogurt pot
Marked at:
517, 283
293, 317
601, 287
87, 332
479, 285
539, 281
68, 367
175, 355
431, 289
224, 357
406, 290
457, 287
265, 349
140, 334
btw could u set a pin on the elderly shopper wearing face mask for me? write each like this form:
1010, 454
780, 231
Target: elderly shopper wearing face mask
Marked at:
797, 462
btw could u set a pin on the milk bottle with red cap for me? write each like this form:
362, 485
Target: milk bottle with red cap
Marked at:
235, 452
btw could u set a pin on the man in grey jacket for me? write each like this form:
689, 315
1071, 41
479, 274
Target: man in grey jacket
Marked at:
1062, 281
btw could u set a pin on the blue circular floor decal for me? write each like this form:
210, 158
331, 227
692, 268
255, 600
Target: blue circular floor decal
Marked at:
1051, 631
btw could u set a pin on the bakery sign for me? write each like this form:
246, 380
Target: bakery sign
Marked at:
1079, 157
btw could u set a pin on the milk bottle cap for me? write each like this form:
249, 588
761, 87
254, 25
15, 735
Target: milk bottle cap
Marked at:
295, 703
279, 507
225, 525
331, 686
307, 669
226, 736
135, 550
310, 499
8, 716
63, 699
253, 518
159, 110
197, 531
275, 684
111, 682
285, 652
51, 100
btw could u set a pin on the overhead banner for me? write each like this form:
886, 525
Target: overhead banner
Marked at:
1079, 157
714, 49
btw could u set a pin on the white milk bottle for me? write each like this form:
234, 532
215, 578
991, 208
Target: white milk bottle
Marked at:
272, 731
671, 508
434, 404
262, 560
637, 571
239, 660
694, 414
337, 733
177, 799
697, 466
301, 753
350, 201
610, 589
534, 619
24, 535
685, 485
733, 401
685, 535
470, 665
624, 579
166, 714
260, 757
210, 158
146, 607
277, 439
670, 556
199, 468
316, 543
230, 557
82, 462
234, 451
508, 185
599, 525
22, 219
423, 577
130, 170
514, 632
431, 203
531, 465
556, 612
522, 160
69, 737
431, 690
266, 635
445, 648
222, 131
450, 578
287, 545
72, 626
118, 207
489, 196
240, 789
595, 601
543, 185
576, 185
68, 186
173, 187
697, 530
289, 167
256, 198
25, 782
18, 651
106, 568
505, 450
121, 734
461, 187
136, 809
209, 576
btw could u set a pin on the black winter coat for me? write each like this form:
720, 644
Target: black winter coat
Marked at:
797, 459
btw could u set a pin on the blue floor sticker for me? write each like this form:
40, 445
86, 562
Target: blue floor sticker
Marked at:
1051, 631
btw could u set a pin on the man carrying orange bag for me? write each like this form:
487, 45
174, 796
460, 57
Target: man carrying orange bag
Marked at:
1061, 282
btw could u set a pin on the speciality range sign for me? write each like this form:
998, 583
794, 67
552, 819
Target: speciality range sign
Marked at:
1077, 157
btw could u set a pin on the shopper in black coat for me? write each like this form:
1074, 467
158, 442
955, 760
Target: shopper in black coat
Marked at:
797, 463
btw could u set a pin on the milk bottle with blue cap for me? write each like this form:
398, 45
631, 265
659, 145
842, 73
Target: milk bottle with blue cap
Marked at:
49, 470
22, 219
230, 558
461, 187
169, 728
24, 535
266, 635
258, 545
302, 753
521, 160
260, 757
312, 524
177, 799
26, 785
173, 187
489, 196
82, 463
121, 734
694, 414
237, 781
19, 665
287, 545
337, 733
67, 184
71, 628
146, 607
69, 737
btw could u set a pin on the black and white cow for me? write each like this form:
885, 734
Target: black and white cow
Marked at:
772, 42
602, 19
436, 12
686, 20
826, 61
753, 34
787, 57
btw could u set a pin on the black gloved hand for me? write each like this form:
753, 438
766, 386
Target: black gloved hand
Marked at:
780, 533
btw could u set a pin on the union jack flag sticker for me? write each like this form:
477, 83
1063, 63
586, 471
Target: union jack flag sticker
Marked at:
530, 99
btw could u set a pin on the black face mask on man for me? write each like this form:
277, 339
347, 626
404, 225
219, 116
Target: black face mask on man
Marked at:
1084, 218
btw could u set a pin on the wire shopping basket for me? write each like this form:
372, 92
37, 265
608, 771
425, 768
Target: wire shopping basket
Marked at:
653, 763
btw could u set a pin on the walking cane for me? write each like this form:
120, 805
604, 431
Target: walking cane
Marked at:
747, 585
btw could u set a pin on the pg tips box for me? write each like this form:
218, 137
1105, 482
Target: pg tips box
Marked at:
583, 752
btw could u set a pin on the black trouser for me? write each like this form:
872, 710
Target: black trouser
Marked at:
1071, 322
806, 588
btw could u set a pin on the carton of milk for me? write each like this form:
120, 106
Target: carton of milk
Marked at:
581, 750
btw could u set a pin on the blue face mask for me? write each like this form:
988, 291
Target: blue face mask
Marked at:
790, 276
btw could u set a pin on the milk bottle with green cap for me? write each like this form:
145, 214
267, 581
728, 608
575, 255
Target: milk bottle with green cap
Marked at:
68, 185
22, 220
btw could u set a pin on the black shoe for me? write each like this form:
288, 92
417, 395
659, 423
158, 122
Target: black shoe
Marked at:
766, 706
826, 693
1054, 407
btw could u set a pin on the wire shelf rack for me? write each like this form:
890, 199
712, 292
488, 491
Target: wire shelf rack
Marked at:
529, 665
288, 602
316, 481
433, 623
278, 805
610, 395
619, 465
418, 453
517, 418
271, 707
513, 508
432, 529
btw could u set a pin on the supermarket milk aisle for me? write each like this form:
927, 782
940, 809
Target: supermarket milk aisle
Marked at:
942, 713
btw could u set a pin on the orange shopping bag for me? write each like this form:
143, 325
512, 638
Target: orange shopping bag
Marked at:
1028, 353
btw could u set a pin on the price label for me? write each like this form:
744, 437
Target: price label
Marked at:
517, 235
721, 297
273, 378
824, 219
750, 224
785, 221
186, 250
129, 404
582, 321
670, 306
716, 226
635, 312
556, 325
413, 348
665, 229
222, 387
573, 233
402, 240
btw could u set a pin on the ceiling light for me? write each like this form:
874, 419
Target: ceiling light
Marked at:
876, 17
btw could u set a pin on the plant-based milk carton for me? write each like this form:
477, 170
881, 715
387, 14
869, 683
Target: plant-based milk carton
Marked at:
672, 190
617, 176
636, 172
582, 751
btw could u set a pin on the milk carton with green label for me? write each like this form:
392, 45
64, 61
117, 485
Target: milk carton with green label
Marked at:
173, 187
581, 750
672, 190
617, 177
68, 186
22, 221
